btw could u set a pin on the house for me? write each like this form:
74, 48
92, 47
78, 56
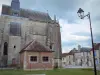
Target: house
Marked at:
79, 57
71, 58
97, 54
35, 56
67, 59
82, 56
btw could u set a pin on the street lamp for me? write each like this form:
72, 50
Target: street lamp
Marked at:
82, 16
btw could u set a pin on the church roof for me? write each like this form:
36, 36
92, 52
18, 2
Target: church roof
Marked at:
35, 46
85, 49
26, 13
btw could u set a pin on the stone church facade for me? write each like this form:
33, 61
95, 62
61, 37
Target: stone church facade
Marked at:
20, 26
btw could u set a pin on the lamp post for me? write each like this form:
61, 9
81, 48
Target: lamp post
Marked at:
82, 16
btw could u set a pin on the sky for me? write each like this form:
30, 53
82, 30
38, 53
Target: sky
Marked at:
74, 31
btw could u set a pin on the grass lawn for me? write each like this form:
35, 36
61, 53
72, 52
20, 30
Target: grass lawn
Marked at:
50, 72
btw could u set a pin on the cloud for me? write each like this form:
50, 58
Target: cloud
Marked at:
68, 30
69, 37
74, 31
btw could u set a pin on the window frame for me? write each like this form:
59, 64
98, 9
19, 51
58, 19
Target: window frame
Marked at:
33, 61
46, 61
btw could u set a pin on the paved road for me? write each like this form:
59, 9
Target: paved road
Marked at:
70, 66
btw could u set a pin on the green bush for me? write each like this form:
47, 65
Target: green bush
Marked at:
56, 66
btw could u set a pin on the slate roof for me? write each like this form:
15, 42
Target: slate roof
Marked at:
74, 51
35, 46
32, 15
85, 49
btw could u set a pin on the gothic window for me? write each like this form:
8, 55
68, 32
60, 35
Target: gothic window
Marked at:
15, 29
50, 46
5, 52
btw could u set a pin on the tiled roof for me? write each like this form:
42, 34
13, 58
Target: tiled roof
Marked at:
36, 47
64, 54
70, 53
85, 49
32, 15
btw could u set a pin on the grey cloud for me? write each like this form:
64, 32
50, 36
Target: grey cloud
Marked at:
81, 34
67, 9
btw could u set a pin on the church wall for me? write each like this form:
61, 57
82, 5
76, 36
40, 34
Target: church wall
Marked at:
32, 30
56, 40
14, 48
36, 31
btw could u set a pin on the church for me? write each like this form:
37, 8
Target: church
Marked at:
29, 36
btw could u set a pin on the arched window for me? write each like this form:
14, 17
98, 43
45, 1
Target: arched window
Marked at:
50, 46
5, 52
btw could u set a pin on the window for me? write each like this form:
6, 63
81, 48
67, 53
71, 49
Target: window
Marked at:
15, 29
33, 58
50, 46
5, 52
14, 46
45, 59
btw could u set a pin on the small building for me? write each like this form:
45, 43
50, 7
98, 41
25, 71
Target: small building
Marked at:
64, 59
71, 58
97, 55
81, 56
35, 56
67, 59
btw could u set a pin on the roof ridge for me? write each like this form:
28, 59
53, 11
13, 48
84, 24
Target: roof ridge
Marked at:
27, 45
33, 10
36, 46
33, 15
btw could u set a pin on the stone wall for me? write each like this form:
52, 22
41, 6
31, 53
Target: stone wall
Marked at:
31, 30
